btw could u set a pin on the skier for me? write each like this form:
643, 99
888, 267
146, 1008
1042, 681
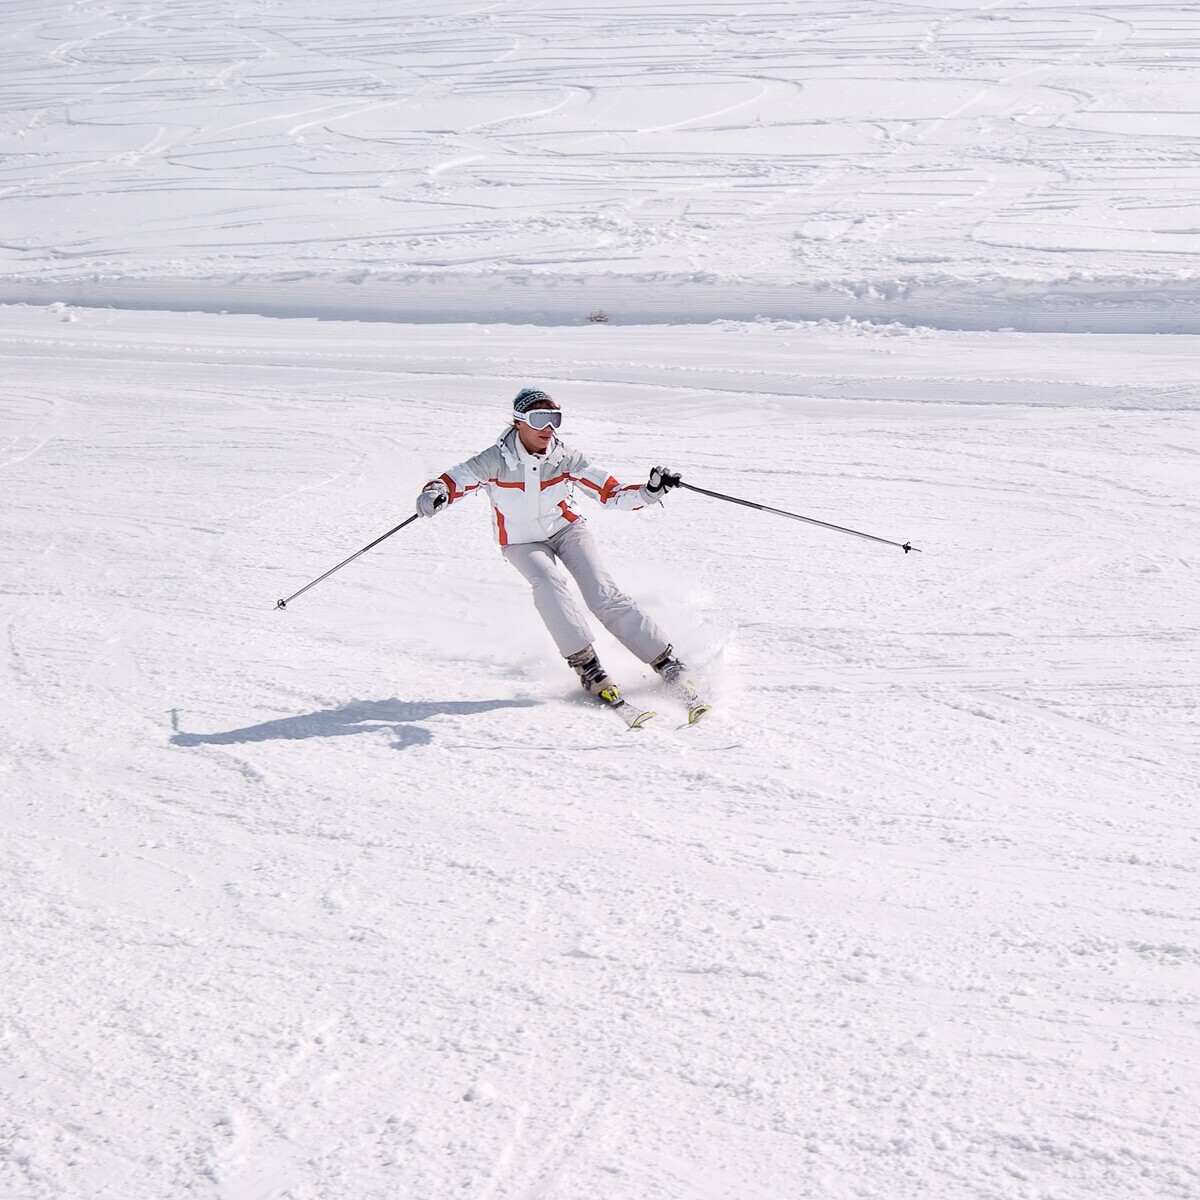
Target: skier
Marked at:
530, 477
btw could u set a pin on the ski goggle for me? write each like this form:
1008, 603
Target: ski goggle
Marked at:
540, 418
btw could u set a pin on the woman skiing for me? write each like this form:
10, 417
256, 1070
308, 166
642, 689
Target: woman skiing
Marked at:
531, 478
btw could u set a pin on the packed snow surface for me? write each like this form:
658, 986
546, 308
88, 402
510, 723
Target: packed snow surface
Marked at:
362, 899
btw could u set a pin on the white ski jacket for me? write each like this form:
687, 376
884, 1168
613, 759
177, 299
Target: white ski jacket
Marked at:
533, 495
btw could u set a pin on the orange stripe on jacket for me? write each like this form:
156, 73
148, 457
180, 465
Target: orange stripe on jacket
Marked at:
501, 532
606, 492
452, 487
566, 512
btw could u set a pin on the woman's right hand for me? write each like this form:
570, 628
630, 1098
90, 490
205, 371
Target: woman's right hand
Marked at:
432, 498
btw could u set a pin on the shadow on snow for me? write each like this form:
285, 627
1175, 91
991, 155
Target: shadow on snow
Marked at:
359, 716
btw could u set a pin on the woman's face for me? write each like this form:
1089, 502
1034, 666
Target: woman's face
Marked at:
535, 441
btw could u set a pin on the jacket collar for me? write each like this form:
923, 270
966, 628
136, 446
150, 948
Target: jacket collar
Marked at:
514, 454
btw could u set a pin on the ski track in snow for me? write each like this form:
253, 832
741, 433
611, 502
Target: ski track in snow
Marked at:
991, 165
362, 900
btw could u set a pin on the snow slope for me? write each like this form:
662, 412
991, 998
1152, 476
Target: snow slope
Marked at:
361, 900
971, 165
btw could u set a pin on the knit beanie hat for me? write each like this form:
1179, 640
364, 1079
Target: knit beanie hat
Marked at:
528, 397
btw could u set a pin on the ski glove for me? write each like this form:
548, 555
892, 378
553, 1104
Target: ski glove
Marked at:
662, 479
433, 498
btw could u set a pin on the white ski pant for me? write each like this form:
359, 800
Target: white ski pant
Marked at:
545, 566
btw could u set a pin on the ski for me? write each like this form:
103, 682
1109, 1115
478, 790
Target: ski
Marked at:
635, 718
685, 692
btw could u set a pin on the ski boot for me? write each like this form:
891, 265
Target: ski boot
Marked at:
592, 676
596, 682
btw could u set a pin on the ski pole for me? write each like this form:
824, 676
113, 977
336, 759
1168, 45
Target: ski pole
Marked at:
409, 521
779, 512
